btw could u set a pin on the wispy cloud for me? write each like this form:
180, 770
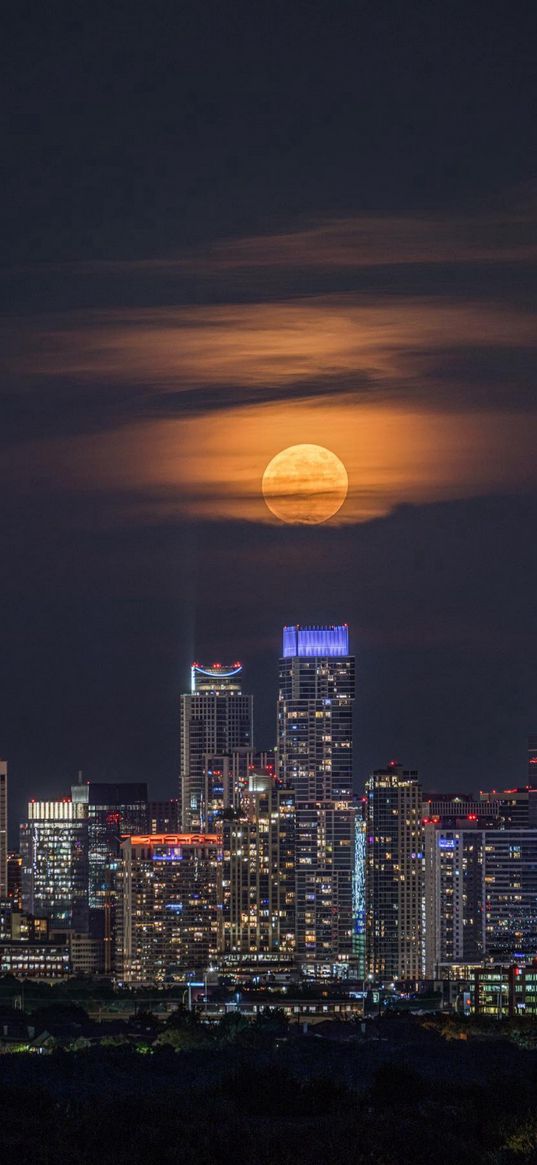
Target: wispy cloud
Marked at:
361, 241
179, 407
260, 345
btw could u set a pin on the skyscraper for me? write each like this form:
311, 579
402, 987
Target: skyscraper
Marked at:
3, 828
54, 848
314, 729
453, 893
259, 872
510, 894
168, 917
315, 712
394, 874
112, 809
216, 742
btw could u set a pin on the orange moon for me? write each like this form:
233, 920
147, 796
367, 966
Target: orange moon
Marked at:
305, 484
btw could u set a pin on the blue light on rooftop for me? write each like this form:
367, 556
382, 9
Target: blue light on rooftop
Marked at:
326, 642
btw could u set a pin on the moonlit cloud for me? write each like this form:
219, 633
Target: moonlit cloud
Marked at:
178, 408
267, 344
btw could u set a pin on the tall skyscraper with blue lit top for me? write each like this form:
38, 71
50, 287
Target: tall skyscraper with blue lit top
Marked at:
316, 693
315, 712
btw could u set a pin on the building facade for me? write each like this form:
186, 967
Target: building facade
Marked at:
112, 810
54, 850
454, 856
314, 756
259, 872
510, 894
515, 808
394, 874
216, 737
169, 916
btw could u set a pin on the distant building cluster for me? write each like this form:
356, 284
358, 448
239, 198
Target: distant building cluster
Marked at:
269, 860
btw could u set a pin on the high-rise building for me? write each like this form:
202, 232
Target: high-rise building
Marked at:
168, 918
326, 938
394, 874
453, 886
316, 693
510, 894
216, 742
314, 756
3, 829
359, 902
112, 810
259, 872
54, 848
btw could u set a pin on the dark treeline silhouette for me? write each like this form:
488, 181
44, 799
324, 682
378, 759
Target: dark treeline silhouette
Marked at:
267, 1094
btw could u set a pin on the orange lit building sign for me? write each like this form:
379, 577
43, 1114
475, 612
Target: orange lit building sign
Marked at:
175, 839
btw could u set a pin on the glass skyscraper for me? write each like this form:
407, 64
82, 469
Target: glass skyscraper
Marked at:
54, 848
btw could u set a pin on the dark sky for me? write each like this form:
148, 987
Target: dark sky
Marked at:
230, 228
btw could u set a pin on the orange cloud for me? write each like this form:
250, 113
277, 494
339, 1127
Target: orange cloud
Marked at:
263, 344
210, 467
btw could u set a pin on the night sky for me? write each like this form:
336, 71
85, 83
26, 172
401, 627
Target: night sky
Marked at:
230, 228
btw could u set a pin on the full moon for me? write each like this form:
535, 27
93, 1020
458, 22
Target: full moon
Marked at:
305, 484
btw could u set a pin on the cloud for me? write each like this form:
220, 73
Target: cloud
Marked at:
265, 345
210, 466
177, 408
359, 241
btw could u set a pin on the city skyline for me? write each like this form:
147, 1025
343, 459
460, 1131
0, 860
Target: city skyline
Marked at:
214, 251
268, 578
163, 784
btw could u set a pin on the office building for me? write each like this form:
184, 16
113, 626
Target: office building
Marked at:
515, 808
259, 872
314, 756
510, 894
3, 829
35, 960
54, 849
216, 742
168, 918
394, 874
111, 810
